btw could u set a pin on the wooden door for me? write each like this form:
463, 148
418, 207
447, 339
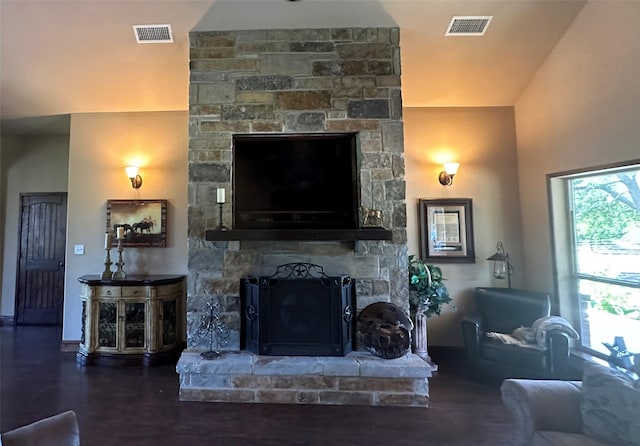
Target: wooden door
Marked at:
41, 250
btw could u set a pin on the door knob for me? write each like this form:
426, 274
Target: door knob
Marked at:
61, 264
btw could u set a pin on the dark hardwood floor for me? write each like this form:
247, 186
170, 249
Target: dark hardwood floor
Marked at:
139, 406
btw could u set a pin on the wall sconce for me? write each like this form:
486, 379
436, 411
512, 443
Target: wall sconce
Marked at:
132, 173
502, 267
450, 171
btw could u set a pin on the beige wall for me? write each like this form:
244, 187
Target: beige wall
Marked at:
29, 164
482, 140
581, 110
101, 145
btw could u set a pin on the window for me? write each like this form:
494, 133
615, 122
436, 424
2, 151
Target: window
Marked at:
604, 218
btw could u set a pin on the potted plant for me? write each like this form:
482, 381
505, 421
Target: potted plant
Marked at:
427, 291
427, 297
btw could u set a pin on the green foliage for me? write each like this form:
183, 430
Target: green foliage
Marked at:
427, 292
620, 305
601, 211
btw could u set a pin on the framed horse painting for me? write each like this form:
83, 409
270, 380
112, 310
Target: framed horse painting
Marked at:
143, 223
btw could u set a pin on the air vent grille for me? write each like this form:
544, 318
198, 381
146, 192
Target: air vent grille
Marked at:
153, 33
468, 25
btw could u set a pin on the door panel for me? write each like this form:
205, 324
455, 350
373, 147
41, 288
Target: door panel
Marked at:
40, 283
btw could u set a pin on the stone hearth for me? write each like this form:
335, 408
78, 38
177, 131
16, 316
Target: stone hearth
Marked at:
358, 378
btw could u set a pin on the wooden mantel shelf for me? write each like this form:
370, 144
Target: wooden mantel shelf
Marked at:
299, 234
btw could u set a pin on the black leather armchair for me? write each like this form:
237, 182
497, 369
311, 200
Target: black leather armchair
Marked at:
503, 310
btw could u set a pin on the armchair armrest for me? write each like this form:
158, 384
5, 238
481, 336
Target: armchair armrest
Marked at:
61, 429
472, 331
538, 405
558, 346
474, 320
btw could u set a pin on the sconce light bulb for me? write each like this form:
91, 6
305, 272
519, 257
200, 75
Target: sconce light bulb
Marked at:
451, 168
132, 171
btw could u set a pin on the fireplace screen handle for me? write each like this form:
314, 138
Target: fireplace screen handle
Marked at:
347, 314
251, 312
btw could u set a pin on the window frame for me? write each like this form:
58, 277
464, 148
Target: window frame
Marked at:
564, 244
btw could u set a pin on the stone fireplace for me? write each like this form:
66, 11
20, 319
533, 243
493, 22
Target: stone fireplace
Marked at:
336, 81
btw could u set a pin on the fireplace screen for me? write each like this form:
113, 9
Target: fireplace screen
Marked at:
298, 311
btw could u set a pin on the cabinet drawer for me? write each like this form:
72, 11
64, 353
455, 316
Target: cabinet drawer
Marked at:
108, 291
168, 290
134, 291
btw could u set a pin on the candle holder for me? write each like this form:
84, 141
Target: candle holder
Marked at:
119, 273
220, 226
212, 326
107, 274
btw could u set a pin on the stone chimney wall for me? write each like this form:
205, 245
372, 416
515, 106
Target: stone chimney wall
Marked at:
293, 81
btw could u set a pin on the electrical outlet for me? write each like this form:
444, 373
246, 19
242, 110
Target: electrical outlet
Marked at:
78, 249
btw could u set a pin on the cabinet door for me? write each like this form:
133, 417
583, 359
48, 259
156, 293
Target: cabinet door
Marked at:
83, 325
168, 327
107, 325
133, 325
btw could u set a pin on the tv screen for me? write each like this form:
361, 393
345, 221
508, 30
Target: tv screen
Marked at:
295, 181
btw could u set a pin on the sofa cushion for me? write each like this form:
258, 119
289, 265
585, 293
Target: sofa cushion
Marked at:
532, 358
554, 438
610, 405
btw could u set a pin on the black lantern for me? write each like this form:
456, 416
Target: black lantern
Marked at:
502, 267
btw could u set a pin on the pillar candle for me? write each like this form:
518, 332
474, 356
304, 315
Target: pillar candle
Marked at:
120, 232
107, 241
220, 197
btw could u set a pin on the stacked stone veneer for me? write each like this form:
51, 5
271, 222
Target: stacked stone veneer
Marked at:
293, 81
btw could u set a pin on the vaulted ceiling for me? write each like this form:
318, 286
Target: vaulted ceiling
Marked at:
69, 56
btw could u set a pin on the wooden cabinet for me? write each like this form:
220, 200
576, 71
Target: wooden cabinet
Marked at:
137, 320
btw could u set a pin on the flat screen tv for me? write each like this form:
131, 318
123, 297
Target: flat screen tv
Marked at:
295, 181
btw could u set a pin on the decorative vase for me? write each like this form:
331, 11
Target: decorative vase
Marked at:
419, 338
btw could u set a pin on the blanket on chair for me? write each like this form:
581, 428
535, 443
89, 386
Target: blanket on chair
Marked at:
510, 339
536, 335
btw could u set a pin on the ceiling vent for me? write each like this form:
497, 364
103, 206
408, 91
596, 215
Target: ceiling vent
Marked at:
474, 25
153, 33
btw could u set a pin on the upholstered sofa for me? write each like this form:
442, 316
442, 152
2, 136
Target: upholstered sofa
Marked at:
600, 410
58, 430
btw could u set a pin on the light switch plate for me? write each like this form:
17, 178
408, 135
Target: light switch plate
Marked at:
78, 249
